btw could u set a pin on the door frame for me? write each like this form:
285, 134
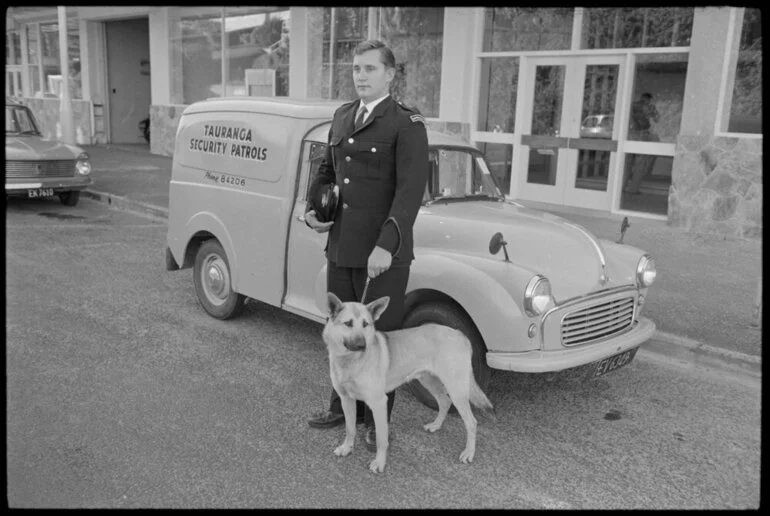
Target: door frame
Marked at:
568, 142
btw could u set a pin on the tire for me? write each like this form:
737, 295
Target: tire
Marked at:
70, 198
454, 317
211, 276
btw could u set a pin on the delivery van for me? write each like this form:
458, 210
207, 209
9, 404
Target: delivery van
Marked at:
534, 292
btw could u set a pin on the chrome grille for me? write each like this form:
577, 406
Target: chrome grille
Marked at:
597, 322
28, 169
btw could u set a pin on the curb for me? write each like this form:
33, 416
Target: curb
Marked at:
697, 353
661, 343
124, 203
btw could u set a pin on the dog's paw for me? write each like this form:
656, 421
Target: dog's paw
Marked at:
466, 457
343, 449
432, 426
377, 465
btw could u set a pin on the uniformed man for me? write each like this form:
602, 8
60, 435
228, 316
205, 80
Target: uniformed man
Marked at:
378, 156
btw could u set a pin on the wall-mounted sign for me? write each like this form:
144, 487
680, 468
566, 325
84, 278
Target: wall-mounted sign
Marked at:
144, 66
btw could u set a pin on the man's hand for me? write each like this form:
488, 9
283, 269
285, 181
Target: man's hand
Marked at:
379, 262
313, 222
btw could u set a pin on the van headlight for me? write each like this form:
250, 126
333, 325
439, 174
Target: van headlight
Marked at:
83, 164
537, 295
645, 271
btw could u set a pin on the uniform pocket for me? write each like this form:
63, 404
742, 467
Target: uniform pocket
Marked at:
374, 155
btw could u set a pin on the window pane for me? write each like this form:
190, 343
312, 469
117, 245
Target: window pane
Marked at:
498, 89
13, 48
258, 51
415, 34
49, 34
656, 112
499, 157
647, 179
634, 27
527, 28
350, 28
197, 45
73, 54
746, 107
34, 80
546, 111
32, 46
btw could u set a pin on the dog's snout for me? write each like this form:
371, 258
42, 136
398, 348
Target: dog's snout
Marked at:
355, 343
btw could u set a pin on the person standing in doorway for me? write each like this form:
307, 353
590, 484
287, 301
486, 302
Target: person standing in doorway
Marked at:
377, 154
643, 114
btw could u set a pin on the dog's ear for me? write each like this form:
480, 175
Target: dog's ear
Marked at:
378, 306
335, 305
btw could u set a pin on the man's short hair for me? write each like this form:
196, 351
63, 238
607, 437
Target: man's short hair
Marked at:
386, 54
647, 96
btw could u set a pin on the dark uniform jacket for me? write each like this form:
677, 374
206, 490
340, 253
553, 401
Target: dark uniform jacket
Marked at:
381, 170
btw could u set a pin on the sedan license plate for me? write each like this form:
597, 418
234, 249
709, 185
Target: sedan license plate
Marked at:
614, 362
39, 192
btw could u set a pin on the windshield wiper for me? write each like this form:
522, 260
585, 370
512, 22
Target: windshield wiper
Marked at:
28, 132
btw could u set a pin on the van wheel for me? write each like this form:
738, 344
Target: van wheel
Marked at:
211, 275
449, 315
70, 198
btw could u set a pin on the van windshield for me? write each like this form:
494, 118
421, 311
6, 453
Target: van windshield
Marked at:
457, 174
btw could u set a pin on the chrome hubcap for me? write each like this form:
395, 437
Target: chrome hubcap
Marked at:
216, 279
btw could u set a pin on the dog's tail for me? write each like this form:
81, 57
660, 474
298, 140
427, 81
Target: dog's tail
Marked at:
480, 400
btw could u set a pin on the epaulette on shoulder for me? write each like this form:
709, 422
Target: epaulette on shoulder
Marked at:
413, 112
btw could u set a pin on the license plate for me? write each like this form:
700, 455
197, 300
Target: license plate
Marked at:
39, 192
614, 362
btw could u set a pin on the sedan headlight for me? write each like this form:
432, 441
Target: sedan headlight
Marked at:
83, 164
537, 295
645, 271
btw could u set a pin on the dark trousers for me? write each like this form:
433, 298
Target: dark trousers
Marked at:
348, 285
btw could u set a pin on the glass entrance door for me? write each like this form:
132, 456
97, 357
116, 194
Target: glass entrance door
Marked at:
569, 135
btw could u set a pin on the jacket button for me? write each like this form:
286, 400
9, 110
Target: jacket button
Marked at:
350, 140
345, 205
347, 158
347, 180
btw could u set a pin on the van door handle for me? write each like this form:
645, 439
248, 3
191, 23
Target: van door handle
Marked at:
301, 218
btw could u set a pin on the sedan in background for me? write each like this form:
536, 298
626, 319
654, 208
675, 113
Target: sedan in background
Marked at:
37, 167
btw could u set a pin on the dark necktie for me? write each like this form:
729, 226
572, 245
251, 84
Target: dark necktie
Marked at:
360, 117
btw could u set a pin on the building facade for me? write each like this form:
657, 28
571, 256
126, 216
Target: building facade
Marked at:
654, 112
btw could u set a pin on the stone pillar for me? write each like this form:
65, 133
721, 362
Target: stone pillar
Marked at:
704, 69
716, 183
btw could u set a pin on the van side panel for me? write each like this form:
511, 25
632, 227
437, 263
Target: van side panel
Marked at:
241, 167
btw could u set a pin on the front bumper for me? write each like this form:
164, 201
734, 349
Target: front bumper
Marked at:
19, 187
538, 361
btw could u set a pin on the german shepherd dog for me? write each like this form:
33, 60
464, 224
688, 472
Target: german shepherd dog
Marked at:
365, 364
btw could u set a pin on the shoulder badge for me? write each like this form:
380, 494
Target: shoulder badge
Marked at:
418, 118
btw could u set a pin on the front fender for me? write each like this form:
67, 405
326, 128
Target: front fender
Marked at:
209, 222
490, 292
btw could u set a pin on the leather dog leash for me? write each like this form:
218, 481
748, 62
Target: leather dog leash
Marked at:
366, 286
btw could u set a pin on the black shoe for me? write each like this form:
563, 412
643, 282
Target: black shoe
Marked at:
326, 419
329, 419
370, 439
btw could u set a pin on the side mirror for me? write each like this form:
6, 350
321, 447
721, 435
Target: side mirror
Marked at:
497, 241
